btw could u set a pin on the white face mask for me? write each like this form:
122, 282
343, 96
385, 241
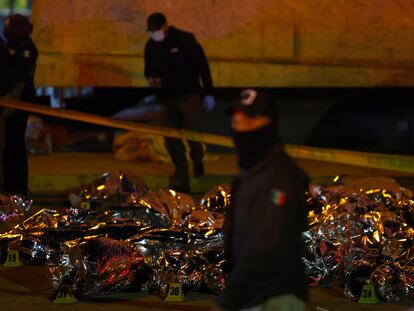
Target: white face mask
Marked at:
158, 36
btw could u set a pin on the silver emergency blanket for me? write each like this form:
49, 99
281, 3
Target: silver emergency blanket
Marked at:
159, 209
215, 277
145, 242
360, 234
26, 237
144, 239
168, 207
217, 198
209, 215
94, 265
110, 190
188, 258
13, 206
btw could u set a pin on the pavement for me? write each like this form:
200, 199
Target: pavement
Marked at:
28, 288
61, 173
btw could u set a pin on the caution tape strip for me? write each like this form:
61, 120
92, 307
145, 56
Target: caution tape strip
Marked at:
121, 124
371, 160
365, 159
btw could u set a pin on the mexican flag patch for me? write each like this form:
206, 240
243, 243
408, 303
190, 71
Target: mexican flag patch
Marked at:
278, 197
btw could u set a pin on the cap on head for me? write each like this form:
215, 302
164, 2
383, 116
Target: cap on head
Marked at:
17, 26
155, 21
254, 103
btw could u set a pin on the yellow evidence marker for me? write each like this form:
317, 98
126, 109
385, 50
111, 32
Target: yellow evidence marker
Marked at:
368, 294
85, 205
175, 293
65, 295
13, 259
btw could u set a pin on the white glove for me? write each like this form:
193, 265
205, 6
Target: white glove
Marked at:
209, 102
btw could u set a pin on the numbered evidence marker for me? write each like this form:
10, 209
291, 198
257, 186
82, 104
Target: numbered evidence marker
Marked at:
368, 294
85, 205
175, 292
13, 259
65, 295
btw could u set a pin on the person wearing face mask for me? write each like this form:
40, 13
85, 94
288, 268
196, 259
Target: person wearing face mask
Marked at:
267, 215
174, 64
22, 63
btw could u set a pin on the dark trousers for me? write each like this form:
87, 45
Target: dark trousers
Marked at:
15, 156
182, 112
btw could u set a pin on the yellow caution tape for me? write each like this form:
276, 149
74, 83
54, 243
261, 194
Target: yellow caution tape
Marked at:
366, 159
371, 160
111, 122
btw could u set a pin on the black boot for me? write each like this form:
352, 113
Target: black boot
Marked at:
198, 169
178, 186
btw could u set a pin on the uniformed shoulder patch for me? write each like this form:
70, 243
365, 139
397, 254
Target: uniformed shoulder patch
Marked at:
278, 197
26, 54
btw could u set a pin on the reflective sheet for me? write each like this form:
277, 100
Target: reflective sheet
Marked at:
13, 206
359, 235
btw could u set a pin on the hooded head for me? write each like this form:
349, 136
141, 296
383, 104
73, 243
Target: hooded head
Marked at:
17, 27
253, 124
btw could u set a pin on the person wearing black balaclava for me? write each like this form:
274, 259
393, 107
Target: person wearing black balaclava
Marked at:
22, 62
267, 215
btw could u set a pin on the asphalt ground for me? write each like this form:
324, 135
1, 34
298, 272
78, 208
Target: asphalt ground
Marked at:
28, 288
61, 173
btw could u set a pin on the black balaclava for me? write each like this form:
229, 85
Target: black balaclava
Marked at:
252, 146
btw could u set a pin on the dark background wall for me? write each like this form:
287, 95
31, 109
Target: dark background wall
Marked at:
365, 119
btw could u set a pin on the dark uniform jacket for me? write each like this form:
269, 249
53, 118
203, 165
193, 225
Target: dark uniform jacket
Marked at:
180, 62
23, 65
263, 243
23, 56
5, 75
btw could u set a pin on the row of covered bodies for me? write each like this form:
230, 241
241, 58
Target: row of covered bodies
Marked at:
118, 234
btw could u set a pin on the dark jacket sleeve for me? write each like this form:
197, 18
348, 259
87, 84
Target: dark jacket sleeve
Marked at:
5, 75
148, 70
203, 67
26, 56
227, 228
23, 70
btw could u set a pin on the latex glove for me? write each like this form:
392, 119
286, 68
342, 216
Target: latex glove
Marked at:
209, 102
154, 82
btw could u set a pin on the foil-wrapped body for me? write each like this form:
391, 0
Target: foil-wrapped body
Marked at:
360, 235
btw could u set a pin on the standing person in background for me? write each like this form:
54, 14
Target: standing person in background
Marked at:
268, 213
5, 87
23, 56
174, 64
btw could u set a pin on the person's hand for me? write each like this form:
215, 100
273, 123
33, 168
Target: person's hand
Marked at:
209, 102
154, 82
